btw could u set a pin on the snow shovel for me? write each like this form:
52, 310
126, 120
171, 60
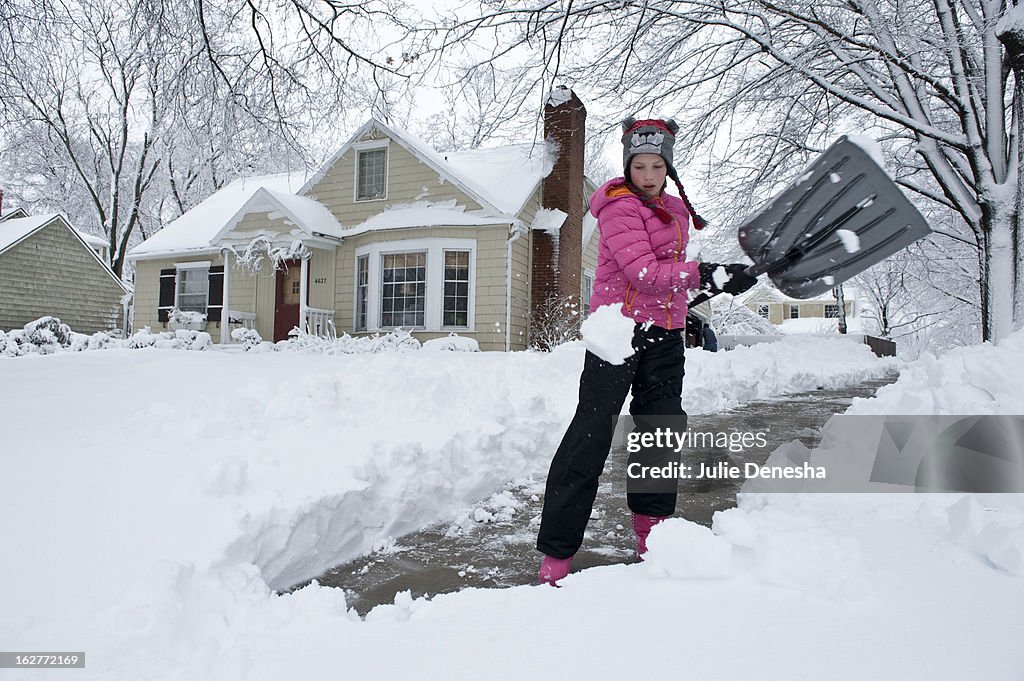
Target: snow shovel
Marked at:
840, 217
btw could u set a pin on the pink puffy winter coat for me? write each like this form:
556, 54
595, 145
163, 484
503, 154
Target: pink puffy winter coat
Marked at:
641, 261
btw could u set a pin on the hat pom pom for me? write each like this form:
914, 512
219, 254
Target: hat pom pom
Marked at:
627, 123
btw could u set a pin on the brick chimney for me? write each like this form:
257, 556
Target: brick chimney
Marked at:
558, 258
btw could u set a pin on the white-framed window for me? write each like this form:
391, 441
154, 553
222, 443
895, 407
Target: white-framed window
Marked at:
426, 284
192, 293
456, 289
831, 311
362, 291
588, 288
763, 310
403, 294
794, 312
371, 170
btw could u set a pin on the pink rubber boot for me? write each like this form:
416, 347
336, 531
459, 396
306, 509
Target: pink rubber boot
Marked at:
553, 569
642, 525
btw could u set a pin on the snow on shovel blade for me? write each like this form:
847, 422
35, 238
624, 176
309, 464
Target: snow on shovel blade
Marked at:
843, 215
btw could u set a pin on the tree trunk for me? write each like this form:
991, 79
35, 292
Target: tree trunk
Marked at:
999, 273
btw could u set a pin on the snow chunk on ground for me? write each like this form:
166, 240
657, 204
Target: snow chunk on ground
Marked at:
681, 549
609, 334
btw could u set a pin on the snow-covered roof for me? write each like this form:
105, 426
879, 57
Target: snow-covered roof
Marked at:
589, 225
764, 292
425, 214
305, 214
197, 228
509, 175
14, 230
13, 213
500, 179
93, 240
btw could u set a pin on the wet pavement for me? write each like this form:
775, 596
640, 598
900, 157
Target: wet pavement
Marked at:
493, 544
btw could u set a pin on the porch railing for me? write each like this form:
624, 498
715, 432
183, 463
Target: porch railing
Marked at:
320, 322
246, 319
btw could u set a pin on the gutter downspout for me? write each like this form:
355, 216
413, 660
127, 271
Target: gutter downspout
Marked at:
516, 233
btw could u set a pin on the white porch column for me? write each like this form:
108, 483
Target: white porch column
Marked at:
225, 310
304, 296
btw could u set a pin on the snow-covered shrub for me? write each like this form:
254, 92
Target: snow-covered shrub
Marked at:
397, 340
47, 332
555, 321
736, 319
142, 339
452, 343
193, 340
97, 341
249, 338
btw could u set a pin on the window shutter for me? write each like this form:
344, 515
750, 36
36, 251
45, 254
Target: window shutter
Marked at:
166, 301
216, 292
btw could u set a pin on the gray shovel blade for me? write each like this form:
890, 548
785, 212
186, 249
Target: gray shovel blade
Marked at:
840, 217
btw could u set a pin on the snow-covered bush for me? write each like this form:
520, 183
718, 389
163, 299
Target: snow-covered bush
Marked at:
555, 321
47, 332
48, 335
735, 319
397, 340
453, 342
44, 336
250, 340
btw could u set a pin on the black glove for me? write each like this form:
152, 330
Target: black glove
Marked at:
737, 280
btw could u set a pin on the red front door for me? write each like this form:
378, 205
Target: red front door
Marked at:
286, 305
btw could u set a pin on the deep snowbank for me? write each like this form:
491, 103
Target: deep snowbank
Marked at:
981, 379
157, 498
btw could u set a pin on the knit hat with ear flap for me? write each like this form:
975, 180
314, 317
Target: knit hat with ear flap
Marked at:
654, 136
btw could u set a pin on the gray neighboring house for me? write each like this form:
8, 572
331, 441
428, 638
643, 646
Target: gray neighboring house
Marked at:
47, 267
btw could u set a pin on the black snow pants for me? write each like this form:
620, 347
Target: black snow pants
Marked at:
655, 375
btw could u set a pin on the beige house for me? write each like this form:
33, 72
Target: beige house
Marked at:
777, 308
49, 268
388, 234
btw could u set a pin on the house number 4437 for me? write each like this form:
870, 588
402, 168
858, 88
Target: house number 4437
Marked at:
320, 280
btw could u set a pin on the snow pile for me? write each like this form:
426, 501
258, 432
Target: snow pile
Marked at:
609, 334
981, 379
232, 474
722, 380
990, 527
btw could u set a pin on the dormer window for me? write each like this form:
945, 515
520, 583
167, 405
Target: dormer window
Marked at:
371, 174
